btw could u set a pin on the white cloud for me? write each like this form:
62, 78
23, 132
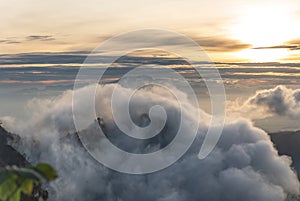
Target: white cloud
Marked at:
244, 165
280, 101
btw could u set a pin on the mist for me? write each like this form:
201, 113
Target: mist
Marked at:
243, 166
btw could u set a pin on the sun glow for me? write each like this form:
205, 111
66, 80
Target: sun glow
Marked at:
265, 26
263, 55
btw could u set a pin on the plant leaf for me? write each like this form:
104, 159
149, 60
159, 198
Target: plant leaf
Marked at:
8, 187
46, 171
14, 181
27, 187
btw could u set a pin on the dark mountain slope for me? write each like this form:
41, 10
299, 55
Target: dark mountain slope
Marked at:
288, 143
8, 155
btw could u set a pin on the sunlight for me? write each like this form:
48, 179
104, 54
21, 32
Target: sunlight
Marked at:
269, 26
263, 55
265, 26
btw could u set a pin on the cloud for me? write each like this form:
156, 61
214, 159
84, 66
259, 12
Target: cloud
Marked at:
295, 42
8, 41
221, 44
280, 101
244, 165
42, 58
262, 64
14, 40
291, 45
36, 75
217, 43
34, 82
78, 57
209, 43
292, 57
40, 37
235, 75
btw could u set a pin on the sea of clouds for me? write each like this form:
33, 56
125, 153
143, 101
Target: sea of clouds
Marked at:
243, 166
279, 101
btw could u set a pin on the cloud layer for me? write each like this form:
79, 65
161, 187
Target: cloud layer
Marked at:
243, 166
280, 101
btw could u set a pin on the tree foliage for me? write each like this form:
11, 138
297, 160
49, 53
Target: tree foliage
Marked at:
15, 182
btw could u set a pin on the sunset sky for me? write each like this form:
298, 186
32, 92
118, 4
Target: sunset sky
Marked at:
255, 44
153, 100
246, 31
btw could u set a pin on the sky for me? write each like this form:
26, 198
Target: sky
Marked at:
255, 45
230, 31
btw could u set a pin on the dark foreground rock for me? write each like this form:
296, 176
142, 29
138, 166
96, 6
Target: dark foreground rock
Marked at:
8, 155
288, 143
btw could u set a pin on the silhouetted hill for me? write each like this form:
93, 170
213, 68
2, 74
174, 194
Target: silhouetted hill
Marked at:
8, 155
288, 143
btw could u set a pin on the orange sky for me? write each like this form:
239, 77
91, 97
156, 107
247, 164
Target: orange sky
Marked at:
232, 30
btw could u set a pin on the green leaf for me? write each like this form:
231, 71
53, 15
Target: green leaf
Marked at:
8, 187
16, 196
27, 187
46, 171
14, 181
